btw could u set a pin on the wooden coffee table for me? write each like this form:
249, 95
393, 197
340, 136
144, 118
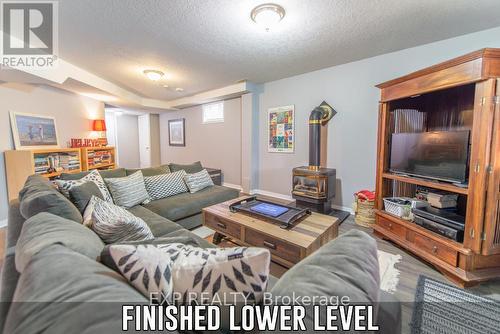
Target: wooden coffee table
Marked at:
287, 246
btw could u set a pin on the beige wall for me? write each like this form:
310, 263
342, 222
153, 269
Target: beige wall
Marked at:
216, 145
350, 89
72, 112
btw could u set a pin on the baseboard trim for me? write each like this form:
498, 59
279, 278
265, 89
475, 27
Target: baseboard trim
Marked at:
343, 208
234, 186
290, 198
271, 194
3, 223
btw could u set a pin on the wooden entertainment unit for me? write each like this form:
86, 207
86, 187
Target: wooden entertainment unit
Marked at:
459, 94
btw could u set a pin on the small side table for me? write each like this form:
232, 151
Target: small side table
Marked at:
216, 175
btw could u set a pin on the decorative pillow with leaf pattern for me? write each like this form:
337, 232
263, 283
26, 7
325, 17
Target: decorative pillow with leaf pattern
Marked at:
183, 274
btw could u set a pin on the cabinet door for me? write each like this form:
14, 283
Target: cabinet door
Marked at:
481, 140
491, 244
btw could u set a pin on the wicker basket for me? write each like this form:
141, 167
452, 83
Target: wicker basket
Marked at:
364, 212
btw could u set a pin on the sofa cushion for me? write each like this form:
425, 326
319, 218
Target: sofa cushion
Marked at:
106, 174
46, 229
187, 204
195, 167
158, 225
57, 273
128, 191
165, 185
40, 195
183, 233
8, 282
81, 195
152, 171
198, 181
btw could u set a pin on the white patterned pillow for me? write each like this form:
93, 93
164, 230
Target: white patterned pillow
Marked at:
165, 185
113, 223
236, 275
128, 191
94, 176
198, 181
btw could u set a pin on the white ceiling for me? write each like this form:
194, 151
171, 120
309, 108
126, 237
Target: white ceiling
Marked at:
206, 44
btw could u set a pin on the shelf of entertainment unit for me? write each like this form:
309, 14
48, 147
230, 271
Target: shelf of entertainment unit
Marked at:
427, 183
457, 246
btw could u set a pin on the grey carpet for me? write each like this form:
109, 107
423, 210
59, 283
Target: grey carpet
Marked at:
442, 308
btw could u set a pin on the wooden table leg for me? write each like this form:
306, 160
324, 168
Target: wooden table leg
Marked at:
217, 238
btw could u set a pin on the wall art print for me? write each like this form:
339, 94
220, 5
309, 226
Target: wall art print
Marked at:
281, 130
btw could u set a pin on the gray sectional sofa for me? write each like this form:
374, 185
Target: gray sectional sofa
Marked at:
52, 280
185, 208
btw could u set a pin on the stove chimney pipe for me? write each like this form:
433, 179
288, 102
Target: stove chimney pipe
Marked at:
318, 119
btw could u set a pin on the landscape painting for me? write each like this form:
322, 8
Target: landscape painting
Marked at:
281, 132
33, 131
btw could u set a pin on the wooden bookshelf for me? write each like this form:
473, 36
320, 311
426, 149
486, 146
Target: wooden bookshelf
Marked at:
19, 164
91, 161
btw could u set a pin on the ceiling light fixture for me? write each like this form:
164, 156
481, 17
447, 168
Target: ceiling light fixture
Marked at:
153, 75
165, 86
267, 15
179, 89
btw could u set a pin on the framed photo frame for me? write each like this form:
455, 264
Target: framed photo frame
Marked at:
281, 129
176, 132
32, 131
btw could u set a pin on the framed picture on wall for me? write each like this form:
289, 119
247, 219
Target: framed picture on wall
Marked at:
281, 129
33, 131
176, 132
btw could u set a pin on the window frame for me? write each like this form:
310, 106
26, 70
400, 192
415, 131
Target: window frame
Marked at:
213, 120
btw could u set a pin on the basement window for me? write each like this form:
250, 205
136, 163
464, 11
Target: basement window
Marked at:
213, 112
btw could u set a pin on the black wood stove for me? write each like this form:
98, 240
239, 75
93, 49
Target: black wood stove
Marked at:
314, 185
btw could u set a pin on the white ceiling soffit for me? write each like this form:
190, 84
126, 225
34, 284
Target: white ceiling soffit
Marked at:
72, 78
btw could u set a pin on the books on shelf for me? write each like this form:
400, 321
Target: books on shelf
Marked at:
101, 157
437, 198
56, 161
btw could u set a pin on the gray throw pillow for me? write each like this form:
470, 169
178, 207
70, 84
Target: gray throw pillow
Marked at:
80, 195
195, 167
113, 223
165, 185
198, 181
128, 191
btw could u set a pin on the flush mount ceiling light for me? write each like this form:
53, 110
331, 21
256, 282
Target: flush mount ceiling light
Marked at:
153, 75
267, 15
179, 89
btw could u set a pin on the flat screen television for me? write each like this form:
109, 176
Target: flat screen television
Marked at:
440, 155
